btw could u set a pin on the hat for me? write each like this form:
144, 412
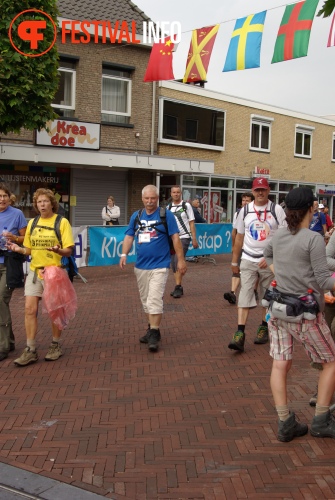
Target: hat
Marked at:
299, 199
321, 205
260, 183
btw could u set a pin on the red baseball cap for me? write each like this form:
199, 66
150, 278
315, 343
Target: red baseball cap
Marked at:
260, 183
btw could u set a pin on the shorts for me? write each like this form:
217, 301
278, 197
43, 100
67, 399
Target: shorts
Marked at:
185, 243
250, 272
314, 335
151, 285
33, 289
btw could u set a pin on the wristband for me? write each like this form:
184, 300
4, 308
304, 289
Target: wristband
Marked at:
233, 264
17, 239
123, 255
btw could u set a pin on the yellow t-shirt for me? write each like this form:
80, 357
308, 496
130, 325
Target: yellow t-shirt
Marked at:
43, 238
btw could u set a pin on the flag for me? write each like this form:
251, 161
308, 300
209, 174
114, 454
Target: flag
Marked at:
160, 62
331, 38
245, 44
294, 31
200, 53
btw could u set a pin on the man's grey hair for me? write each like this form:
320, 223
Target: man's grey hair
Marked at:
150, 187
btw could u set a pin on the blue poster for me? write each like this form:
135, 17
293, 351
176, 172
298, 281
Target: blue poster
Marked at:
106, 243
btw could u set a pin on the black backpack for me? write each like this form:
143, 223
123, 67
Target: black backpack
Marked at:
69, 263
162, 216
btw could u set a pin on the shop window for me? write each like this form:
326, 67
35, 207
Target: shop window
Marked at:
260, 134
116, 95
303, 141
65, 98
185, 124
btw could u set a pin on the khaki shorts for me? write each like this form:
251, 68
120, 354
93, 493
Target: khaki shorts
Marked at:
250, 272
33, 289
151, 285
314, 335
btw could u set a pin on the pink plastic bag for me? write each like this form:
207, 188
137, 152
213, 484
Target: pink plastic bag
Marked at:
59, 298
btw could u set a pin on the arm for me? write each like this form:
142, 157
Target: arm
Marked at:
14, 238
193, 234
181, 268
116, 212
63, 252
233, 237
237, 250
13, 247
330, 252
105, 216
126, 247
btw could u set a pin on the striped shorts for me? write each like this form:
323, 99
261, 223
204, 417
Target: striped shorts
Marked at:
314, 335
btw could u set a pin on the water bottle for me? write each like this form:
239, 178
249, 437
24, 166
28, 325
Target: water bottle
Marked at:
269, 294
3, 239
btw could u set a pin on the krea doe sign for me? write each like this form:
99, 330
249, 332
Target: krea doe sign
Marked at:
69, 134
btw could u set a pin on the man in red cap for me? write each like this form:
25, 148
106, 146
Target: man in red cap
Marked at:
255, 226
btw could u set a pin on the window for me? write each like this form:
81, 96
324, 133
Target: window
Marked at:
333, 155
185, 124
65, 98
303, 141
260, 134
116, 95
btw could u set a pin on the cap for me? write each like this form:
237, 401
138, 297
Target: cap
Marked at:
321, 205
260, 183
299, 199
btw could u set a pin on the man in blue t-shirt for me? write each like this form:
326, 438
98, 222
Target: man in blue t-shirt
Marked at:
318, 223
152, 258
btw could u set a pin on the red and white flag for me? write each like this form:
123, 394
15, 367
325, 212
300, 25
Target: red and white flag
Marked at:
331, 38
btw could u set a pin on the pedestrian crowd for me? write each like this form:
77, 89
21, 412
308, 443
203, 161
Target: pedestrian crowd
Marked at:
278, 257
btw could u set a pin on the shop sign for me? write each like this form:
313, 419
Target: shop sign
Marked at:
67, 134
264, 172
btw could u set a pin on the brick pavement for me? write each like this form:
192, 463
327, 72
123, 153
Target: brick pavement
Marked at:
193, 421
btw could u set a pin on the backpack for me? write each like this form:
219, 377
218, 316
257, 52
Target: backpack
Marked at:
178, 215
162, 216
68, 263
272, 210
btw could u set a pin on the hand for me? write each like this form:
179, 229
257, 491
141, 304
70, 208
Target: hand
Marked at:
55, 249
181, 266
195, 243
262, 264
235, 269
123, 261
13, 247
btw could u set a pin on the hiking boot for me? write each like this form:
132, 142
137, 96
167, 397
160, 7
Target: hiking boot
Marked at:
262, 335
323, 425
154, 338
145, 338
177, 292
230, 296
12, 347
54, 352
312, 401
237, 342
290, 428
3, 355
27, 357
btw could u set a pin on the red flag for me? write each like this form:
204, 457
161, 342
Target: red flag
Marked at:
199, 54
160, 62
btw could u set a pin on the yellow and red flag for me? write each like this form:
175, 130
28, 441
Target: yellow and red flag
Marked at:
160, 62
200, 53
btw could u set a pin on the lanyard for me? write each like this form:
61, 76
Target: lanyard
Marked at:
259, 214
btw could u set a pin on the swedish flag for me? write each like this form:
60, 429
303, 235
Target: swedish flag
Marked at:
245, 44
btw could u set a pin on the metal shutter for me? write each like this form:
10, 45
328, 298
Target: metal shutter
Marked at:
92, 187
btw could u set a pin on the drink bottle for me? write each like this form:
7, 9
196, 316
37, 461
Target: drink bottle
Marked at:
311, 305
269, 294
3, 239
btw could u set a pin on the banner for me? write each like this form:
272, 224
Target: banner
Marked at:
106, 243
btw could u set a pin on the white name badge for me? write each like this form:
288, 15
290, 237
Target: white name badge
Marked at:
259, 226
144, 238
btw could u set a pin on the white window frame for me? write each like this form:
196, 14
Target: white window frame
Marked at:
73, 90
188, 144
306, 130
261, 121
333, 148
118, 113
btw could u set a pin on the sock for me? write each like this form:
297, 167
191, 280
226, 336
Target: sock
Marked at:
320, 410
264, 323
55, 341
241, 328
232, 291
283, 412
31, 344
154, 327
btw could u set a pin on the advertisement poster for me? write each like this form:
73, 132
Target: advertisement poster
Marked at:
213, 203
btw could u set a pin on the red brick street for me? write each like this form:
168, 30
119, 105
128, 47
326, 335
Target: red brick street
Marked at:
193, 421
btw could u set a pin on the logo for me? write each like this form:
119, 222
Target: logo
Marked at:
32, 37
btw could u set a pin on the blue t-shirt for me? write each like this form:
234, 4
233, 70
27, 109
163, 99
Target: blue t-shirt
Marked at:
319, 218
13, 219
155, 253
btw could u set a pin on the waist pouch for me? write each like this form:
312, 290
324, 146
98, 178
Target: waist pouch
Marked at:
288, 308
